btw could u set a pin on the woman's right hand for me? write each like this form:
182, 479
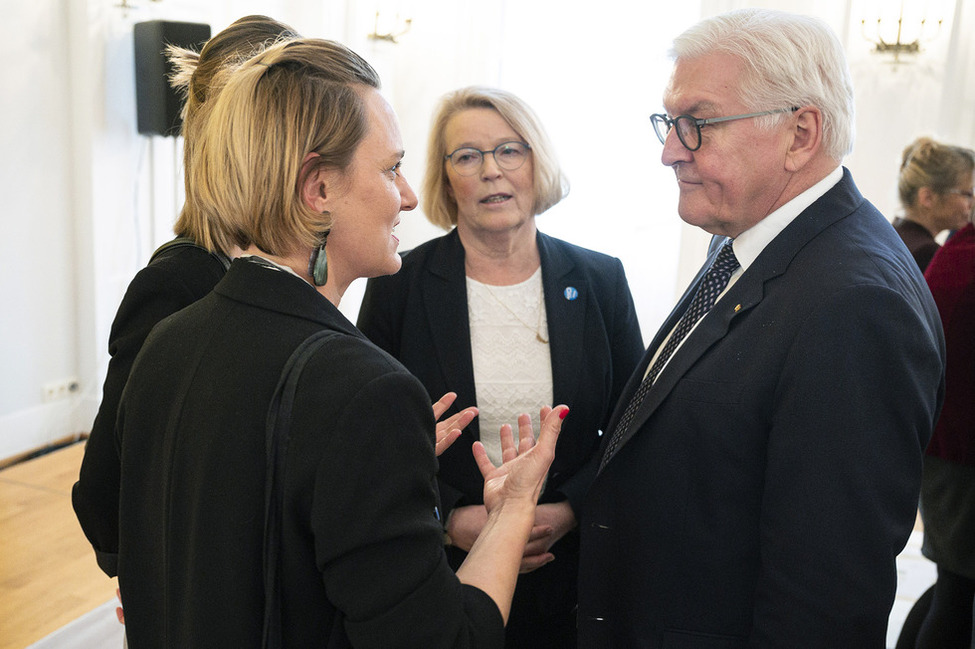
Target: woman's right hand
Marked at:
510, 494
523, 466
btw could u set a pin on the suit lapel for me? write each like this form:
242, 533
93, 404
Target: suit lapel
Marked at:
746, 293
634, 382
566, 302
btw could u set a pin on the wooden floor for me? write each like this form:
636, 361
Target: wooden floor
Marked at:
48, 574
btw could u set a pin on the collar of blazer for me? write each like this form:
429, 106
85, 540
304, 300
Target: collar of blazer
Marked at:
838, 203
445, 302
275, 290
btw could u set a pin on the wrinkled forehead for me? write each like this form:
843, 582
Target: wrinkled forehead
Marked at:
704, 85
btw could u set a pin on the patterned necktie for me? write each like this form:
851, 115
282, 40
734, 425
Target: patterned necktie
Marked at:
711, 286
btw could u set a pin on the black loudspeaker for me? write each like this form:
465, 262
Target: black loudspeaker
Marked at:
158, 105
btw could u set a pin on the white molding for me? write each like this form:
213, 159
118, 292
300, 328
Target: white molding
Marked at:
36, 427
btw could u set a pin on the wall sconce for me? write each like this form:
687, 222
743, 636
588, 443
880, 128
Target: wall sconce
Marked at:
390, 34
125, 6
900, 34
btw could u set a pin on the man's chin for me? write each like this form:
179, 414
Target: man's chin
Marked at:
706, 222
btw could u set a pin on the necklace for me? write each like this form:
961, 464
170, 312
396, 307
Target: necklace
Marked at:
538, 326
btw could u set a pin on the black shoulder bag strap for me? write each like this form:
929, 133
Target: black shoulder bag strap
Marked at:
278, 435
186, 242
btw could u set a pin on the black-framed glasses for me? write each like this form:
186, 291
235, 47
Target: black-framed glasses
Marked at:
689, 127
508, 155
966, 193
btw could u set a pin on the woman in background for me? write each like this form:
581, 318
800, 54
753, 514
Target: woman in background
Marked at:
510, 319
935, 188
948, 485
179, 273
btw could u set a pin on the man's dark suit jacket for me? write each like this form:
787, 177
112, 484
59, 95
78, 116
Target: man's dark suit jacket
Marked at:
420, 316
918, 240
771, 476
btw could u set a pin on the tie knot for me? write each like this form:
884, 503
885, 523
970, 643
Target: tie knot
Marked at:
725, 262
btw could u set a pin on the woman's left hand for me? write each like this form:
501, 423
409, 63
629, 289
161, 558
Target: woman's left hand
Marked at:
449, 429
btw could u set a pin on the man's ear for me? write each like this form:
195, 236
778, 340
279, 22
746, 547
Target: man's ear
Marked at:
806, 137
316, 183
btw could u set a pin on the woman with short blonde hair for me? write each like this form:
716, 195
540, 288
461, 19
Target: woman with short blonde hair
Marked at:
278, 470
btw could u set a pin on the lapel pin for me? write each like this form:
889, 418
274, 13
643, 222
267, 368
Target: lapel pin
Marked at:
570, 293
737, 308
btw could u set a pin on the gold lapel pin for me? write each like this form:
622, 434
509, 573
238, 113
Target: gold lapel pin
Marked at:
737, 308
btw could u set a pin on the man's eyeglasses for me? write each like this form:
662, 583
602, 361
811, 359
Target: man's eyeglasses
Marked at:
689, 127
508, 155
967, 193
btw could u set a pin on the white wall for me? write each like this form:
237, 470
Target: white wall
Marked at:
37, 282
88, 198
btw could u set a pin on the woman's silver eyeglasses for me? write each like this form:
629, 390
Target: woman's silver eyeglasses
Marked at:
689, 127
508, 155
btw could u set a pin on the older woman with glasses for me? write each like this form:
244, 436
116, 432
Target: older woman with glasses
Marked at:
935, 188
509, 318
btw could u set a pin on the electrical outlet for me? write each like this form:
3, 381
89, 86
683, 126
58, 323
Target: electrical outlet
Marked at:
56, 390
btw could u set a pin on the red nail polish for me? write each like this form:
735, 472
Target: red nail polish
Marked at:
563, 414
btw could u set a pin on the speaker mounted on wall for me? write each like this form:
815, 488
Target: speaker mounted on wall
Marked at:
157, 104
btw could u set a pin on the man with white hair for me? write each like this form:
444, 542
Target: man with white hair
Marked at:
762, 469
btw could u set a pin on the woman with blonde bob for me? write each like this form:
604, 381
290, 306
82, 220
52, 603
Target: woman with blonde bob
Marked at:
181, 272
278, 471
510, 319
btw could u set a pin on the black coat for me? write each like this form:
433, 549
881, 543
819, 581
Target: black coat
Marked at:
771, 475
362, 562
174, 279
420, 316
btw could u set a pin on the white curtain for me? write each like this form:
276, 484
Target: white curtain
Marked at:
956, 121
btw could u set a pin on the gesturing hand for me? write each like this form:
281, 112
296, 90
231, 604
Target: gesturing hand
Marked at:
449, 429
523, 466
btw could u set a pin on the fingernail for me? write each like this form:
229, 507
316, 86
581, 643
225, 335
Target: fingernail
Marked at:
563, 414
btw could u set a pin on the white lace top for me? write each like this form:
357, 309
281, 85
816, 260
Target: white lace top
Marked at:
512, 367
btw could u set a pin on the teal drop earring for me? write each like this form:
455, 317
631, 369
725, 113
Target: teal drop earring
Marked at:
318, 263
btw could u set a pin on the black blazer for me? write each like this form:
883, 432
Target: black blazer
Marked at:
420, 316
771, 476
362, 561
176, 277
